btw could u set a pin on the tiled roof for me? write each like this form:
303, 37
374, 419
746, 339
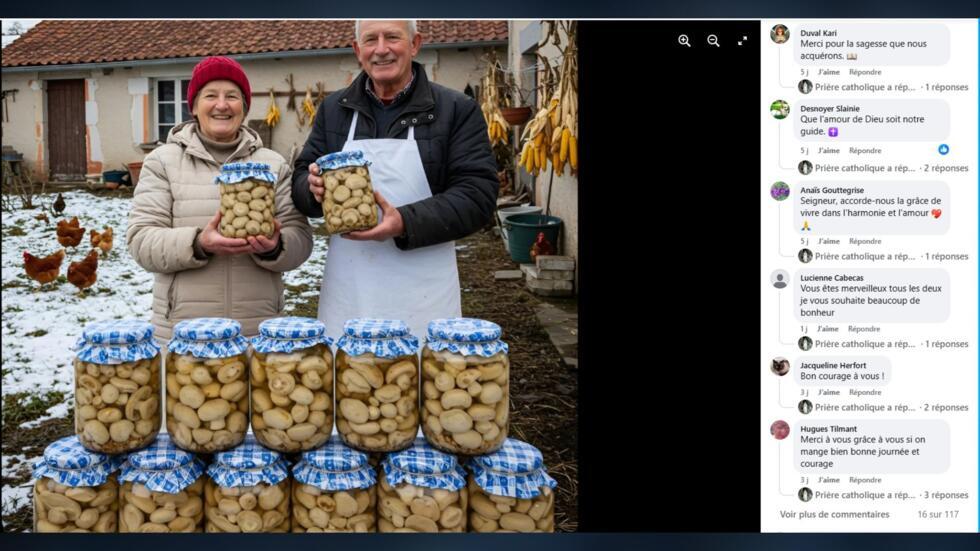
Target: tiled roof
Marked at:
54, 42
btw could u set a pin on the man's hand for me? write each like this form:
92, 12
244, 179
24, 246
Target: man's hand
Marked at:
213, 242
261, 244
391, 224
316, 182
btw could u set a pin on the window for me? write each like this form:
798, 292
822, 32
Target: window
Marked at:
172, 108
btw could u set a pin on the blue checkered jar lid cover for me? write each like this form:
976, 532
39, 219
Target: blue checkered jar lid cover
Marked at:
208, 338
342, 159
287, 335
422, 465
116, 341
248, 464
233, 173
381, 337
162, 467
515, 470
334, 467
466, 336
67, 462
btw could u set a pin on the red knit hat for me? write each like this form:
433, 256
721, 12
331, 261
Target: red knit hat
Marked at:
218, 68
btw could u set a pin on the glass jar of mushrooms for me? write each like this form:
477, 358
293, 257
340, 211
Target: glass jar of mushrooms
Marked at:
162, 489
334, 491
348, 199
377, 385
465, 386
117, 386
422, 490
75, 489
207, 385
292, 384
248, 490
510, 491
248, 193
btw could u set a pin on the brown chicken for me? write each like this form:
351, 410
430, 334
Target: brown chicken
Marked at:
43, 270
69, 232
102, 240
82, 274
541, 247
43, 218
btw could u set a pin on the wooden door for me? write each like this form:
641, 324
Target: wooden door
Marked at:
66, 129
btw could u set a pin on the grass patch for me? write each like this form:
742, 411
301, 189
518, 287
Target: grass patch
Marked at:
27, 406
16, 231
297, 304
38, 333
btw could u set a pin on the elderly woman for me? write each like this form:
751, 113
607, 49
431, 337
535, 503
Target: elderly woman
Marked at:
173, 225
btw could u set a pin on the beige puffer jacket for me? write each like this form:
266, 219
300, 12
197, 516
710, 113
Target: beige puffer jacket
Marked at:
176, 196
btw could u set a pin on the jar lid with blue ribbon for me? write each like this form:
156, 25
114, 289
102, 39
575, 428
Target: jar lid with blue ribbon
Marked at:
67, 462
248, 464
116, 341
287, 335
515, 470
422, 465
342, 159
233, 173
208, 338
382, 337
335, 467
162, 467
466, 336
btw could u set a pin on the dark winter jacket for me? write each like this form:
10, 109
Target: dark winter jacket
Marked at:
453, 143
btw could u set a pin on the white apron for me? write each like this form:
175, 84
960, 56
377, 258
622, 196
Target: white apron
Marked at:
376, 279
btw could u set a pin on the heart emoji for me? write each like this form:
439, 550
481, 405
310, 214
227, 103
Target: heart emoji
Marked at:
936, 213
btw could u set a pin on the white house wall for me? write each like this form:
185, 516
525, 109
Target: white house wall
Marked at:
23, 127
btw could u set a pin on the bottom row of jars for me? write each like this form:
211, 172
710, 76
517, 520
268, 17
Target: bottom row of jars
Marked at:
332, 489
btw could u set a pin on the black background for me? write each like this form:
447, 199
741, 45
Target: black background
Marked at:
669, 267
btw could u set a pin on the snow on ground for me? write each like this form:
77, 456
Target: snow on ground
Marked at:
17, 496
40, 328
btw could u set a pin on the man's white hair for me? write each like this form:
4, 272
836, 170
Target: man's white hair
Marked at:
412, 25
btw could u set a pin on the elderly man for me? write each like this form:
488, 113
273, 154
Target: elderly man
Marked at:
434, 176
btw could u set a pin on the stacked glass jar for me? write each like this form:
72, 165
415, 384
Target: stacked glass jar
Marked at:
334, 491
466, 386
377, 385
422, 490
248, 490
162, 489
117, 386
292, 384
75, 489
207, 385
510, 491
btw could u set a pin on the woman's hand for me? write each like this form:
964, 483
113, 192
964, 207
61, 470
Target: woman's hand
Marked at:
261, 244
213, 242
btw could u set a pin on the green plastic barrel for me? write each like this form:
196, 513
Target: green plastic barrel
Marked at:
523, 230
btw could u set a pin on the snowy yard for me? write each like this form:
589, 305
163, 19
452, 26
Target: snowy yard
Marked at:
40, 328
